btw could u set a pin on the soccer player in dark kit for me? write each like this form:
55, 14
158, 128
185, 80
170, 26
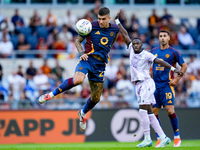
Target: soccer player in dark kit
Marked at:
92, 62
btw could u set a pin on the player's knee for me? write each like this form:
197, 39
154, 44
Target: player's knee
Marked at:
78, 81
170, 111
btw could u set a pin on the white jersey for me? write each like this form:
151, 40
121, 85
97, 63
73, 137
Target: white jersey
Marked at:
140, 64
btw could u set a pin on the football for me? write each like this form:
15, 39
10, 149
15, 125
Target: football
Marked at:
83, 27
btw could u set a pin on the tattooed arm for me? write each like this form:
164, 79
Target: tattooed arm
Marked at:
79, 47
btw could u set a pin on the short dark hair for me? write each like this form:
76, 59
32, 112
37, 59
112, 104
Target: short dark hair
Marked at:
104, 11
165, 31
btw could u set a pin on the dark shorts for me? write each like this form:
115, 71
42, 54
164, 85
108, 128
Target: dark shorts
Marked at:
93, 67
164, 96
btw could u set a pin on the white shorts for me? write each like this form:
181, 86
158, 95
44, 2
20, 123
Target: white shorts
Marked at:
145, 92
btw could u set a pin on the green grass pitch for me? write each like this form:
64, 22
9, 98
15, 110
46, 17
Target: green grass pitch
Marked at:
186, 145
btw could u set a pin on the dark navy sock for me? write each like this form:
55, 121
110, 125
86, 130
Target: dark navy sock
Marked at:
66, 85
159, 123
89, 105
174, 123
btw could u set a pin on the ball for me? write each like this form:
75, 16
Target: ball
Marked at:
83, 27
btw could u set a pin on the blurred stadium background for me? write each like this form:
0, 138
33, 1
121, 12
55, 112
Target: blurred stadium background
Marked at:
37, 53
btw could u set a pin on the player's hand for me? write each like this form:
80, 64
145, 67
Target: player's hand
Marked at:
84, 57
173, 82
180, 73
118, 13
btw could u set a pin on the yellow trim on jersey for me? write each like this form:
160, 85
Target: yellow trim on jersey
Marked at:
170, 78
92, 51
172, 88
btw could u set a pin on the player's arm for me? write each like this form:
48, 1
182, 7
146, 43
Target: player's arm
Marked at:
122, 30
79, 47
183, 69
168, 66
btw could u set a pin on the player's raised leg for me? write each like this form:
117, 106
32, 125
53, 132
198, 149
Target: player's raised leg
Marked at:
66, 85
96, 91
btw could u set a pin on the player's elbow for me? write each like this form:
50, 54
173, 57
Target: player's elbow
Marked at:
184, 66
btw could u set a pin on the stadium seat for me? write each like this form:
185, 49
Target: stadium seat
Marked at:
42, 32
14, 40
25, 30
32, 40
194, 33
198, 25
143, 30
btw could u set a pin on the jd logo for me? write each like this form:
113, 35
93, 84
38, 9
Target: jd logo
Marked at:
126, 126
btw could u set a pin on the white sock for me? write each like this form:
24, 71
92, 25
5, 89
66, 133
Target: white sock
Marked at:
177, 137
51, 94
82, 113
147, 137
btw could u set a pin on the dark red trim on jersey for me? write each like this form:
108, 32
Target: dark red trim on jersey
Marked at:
155, 48
114, 25
174, 50
95, 23
88, 44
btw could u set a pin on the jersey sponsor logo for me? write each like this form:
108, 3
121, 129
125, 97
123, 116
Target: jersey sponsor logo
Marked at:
167, 55
160, 68
169, 102
104, 40
111, 34
97, 32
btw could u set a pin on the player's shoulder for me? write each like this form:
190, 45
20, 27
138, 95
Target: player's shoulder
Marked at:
155, 49
95, 24
113, 25
173, 50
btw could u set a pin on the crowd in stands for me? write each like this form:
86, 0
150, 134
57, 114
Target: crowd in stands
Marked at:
20, 90
51, 36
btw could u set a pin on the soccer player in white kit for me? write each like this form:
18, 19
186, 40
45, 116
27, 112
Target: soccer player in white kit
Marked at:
140, 63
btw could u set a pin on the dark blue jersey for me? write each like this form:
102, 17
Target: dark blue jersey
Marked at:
163, 75
100, 40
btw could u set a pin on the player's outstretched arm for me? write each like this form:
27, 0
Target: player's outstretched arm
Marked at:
79, 47
168, 66
122, 30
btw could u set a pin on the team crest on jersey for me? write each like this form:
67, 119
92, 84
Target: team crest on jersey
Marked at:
167, 55
80, 68
156, 55
111, 33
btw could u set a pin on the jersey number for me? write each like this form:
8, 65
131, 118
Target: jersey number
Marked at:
168, 95
101, 74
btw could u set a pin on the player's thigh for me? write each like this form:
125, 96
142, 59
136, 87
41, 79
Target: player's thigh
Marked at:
169, 109
157, 98
78, 77
96, 90
145, 92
